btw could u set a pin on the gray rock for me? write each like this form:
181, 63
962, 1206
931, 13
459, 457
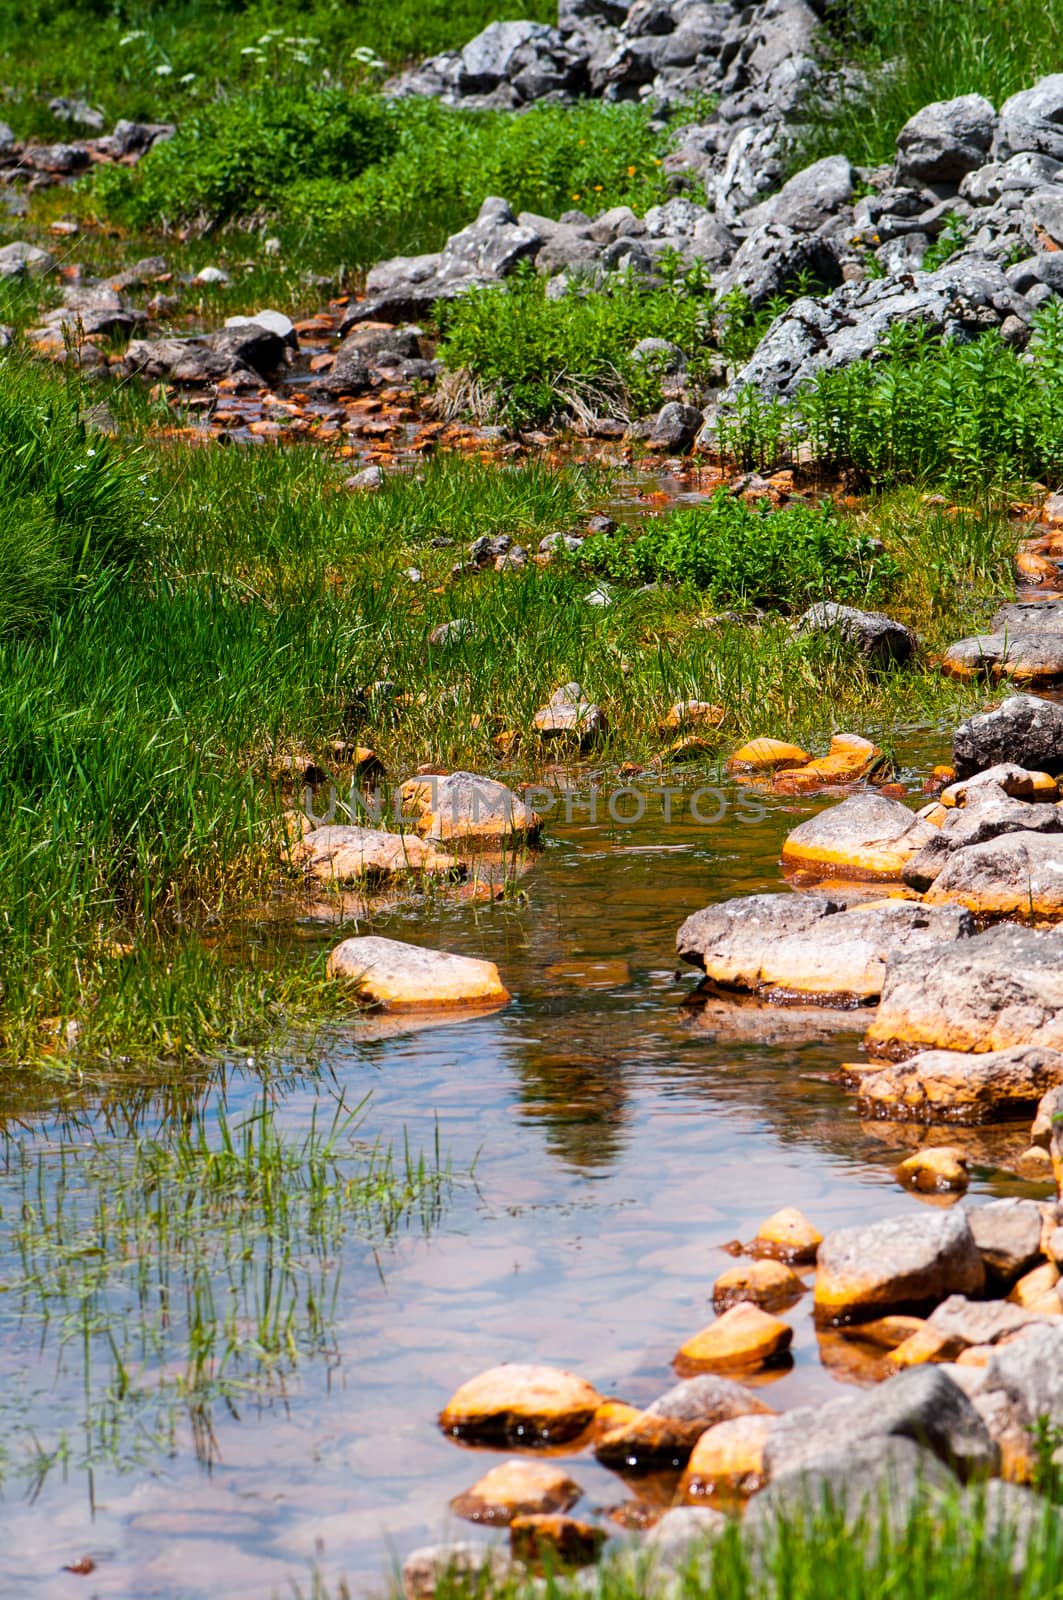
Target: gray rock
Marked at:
868, 834
1030, 1372
988, 814
808, 944
882, 640
1018, 175
945, 140
249, 354
568, 714
1006, 1514
773, 257
1014, 874
1035, 658
22, 260
862, 1479
959, 1086
7, 140
78, 111
1002, 988
808, 199
443, 1566
1032, 120
902, 1263
454, 632
971, 1322
1025, 729
682, 1532
58, 159
677, 426
921, 1404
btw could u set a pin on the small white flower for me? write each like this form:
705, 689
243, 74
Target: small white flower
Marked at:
163, 71
189, 77
251, 50
130, 38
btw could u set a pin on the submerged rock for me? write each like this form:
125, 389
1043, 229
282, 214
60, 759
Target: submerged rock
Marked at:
765, 755
849, 759
348, 854
769, 1284
1000, 989
400, 976
517, 1404
809, 945
958, 1086
553, 1540
900, 1264
867, 835
517, 1488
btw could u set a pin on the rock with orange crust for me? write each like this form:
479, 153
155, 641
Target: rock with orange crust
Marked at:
745, 1336
519, 1404
867, 835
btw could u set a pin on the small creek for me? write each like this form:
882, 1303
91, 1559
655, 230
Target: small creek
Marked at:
618, 1147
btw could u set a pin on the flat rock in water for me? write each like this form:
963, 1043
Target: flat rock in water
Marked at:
765, 755
771, 1285
939, 1169
665, 1433
958, 1086
728, 1460
745, 1336
868, 835
347, 854
1025, 730
1015, 874
514, 1489
1017, 782
903, 1263
1027, 657
1008, 1236
465, 807
517, 1404
809, 945
922, 1405
1002, 988
407, 976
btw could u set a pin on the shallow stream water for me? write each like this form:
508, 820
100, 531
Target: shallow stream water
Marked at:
619, 1144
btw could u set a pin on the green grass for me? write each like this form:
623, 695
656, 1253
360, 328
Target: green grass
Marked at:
913, 52
168, 1275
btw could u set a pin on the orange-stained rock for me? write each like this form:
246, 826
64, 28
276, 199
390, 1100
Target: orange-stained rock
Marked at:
400, 976
766, 1283
1013, 875
664, 1434
514, 1489
745, 1336
688, 747
347, 854
1035, 1288
927, 1344
1017, 782
886, 1333
955, 1085
940, 777
613, 1414
693, 714
728, 1461
788, 1236
935, 1170
901, 1263
1037, 567
765, 755
849, 759
867, 835
520, 1404
551, 1541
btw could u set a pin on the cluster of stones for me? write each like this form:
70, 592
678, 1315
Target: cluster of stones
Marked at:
40, 165
962, 1311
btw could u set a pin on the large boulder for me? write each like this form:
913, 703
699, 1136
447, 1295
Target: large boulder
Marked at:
1023, 657
904, 1263
867, 835
773, 257
809, 945
1008, 1235
1032, 120
945, 140
923, 1405
250, 354
809, 199
878, 638
1025, 729
1015, 874
1002, 988
958, 1086
407, 287
859, 1478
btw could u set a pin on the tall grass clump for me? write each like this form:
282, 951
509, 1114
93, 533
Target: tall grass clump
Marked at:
908, 53
923, 409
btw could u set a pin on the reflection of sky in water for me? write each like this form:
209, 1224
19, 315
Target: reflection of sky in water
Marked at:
617, 1149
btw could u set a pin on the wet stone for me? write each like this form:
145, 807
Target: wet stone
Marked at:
809, 945
788, 1236
902, 1263
728, 1460
1034, 658
554, 1540
568, 714
765, 755
867, 835
665, 1433
848, 760
408, 977
1015, 874
939, 1169
348, 854
1000, 989
1017, 782
517, 1404
462, 806
744, 1336
1007, 1234
517, 1488
769, 1284
958, 1086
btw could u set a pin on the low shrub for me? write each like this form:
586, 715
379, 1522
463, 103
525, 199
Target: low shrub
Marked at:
751, 556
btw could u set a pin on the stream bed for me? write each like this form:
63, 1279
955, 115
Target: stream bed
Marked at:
616, 1144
